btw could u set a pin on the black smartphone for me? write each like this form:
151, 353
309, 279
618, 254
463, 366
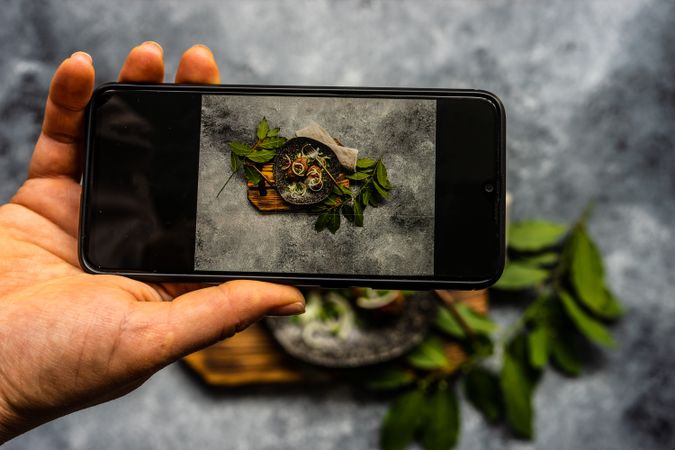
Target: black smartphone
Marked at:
313, 186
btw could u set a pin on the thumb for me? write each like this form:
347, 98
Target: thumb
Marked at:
203, 317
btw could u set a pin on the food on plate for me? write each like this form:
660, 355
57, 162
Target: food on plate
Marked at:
299, 166
333, 315
286, 162
388, 302
304, 171
297, 189
315, 182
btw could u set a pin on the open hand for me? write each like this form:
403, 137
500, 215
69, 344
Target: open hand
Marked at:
68, 339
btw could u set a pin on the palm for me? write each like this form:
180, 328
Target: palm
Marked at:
45, 250
70, 339
81, 316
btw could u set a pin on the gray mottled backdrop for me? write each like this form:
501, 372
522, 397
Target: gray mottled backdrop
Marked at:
396, 238
589, 88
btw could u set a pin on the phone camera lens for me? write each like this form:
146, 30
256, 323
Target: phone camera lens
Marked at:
489, 188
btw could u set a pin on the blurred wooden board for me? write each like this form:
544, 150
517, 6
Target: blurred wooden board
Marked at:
250, 357
253, 356
271, 201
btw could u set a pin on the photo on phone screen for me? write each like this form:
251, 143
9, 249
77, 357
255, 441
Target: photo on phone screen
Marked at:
315, 186
397, 237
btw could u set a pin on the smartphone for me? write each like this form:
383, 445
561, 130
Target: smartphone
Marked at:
312, 186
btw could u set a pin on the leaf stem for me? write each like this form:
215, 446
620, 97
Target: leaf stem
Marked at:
271, 183
369, 179
227, 181
323, 166
585, 214
449, 301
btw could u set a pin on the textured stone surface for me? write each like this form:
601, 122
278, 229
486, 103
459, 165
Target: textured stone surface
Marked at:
589, 87
396, 238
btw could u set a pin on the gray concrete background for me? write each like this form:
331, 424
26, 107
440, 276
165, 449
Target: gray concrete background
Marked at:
397, 238
589, 87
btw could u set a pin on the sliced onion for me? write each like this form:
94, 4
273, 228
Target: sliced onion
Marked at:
298, 189
298, 168
377, 299
314, 171
315, 183
286, 162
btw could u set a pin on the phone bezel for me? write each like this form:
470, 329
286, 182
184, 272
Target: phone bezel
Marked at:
327, 280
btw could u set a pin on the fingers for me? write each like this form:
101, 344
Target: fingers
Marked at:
57, 151
144, 64
198, 66
203, 317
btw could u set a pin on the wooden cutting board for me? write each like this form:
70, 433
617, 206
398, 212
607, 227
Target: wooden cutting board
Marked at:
271, 201
253, 356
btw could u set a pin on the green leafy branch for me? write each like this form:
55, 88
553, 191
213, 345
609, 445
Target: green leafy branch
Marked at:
573, 304
560, 272
373, 186
248, 158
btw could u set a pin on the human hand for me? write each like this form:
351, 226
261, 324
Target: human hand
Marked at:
69, 340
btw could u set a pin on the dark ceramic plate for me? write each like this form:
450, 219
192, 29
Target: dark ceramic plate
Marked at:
283, 180
378, 342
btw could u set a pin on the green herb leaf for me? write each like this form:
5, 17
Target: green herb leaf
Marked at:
441, 429
517, 383
537, 344
381, 191
322, 221
365, 195
358, 213
252, 175
341, 190
273, 142
478, 323
404, 418
564, 356
274, 132
545, 259
587, 276
357, 176
261, 156
235, 162
429, 355
364, 163
381, 174
587, 325
240, 149
334, 220
483, 391
263, 128
348, 212
518, 276
612, 309
447, 323
389, 379
534, 235
481, 346
331, 200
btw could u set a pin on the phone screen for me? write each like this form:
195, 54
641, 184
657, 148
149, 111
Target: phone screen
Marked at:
351, 184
